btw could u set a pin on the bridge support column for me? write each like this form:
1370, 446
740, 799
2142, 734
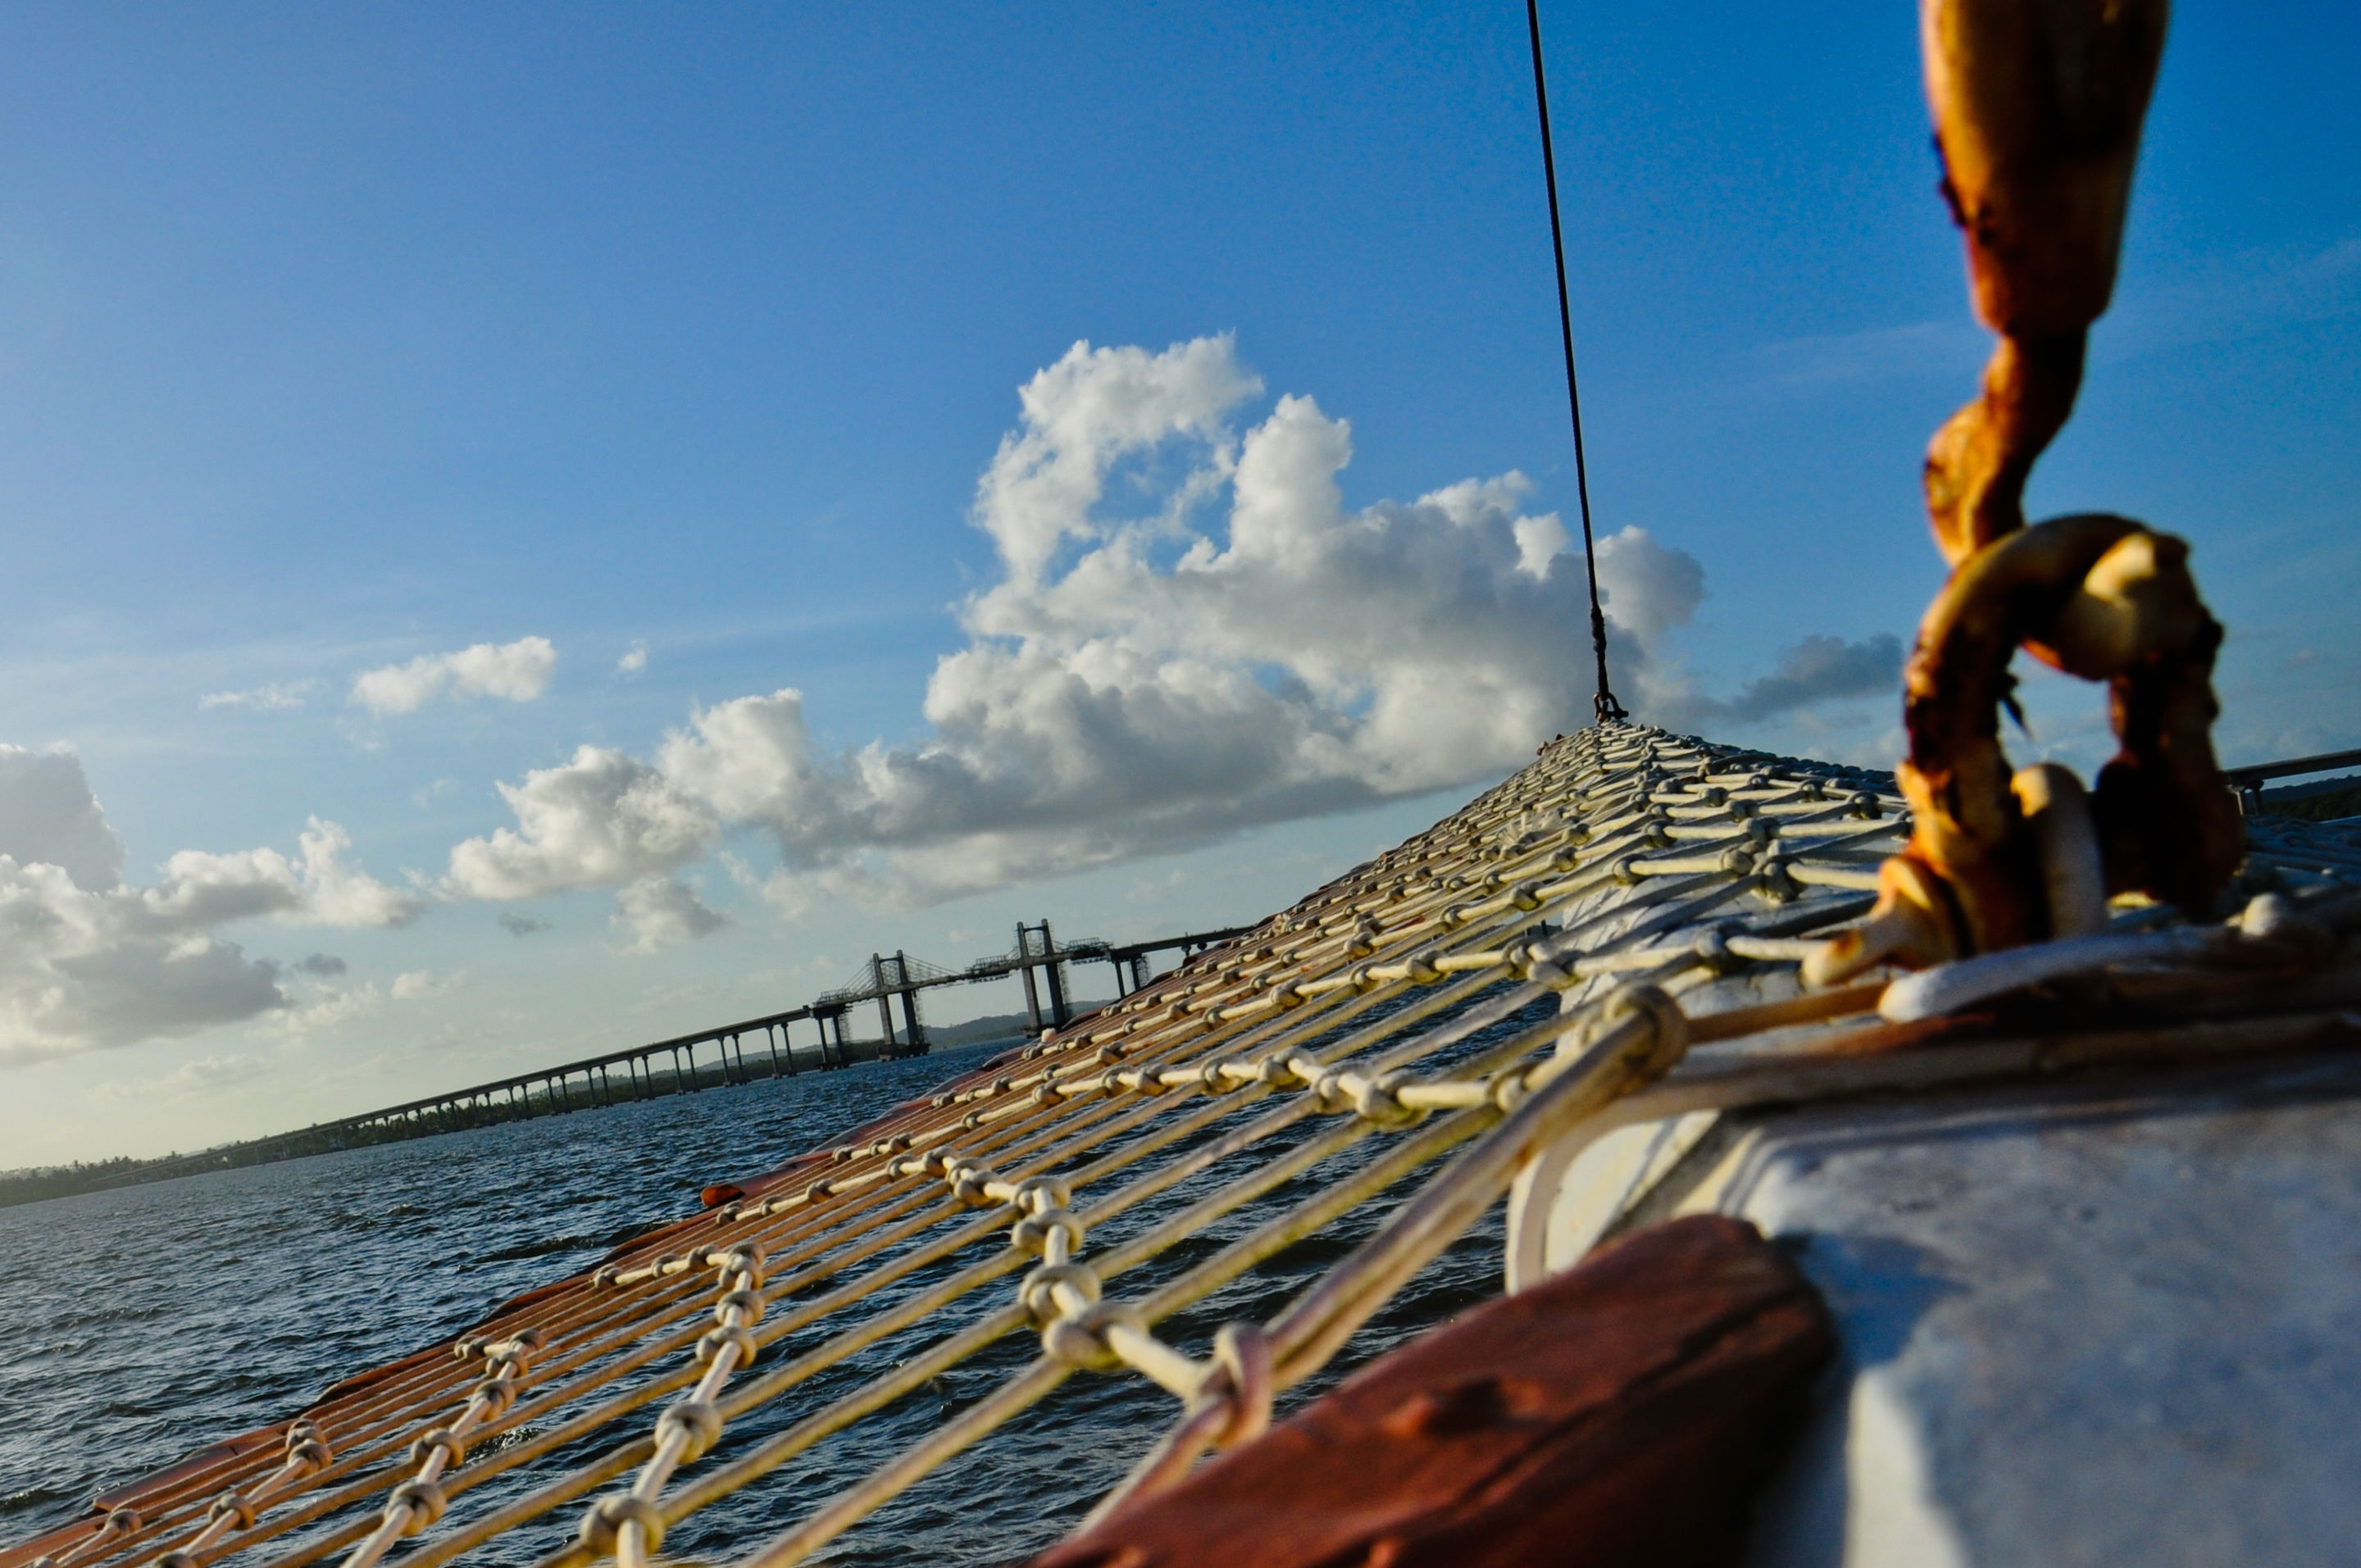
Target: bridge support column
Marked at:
914, 1028
1060, 1016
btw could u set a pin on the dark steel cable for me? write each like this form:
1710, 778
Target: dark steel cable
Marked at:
1604, 706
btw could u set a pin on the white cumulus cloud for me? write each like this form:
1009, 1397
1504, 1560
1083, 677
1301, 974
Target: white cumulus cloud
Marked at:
514, 672
1190, 634
87, 961
661, 913
597, 820
634, 660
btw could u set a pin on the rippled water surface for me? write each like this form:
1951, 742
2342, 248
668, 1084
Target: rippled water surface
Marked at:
136, 1325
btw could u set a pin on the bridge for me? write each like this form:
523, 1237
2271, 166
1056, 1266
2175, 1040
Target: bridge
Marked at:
676, 1067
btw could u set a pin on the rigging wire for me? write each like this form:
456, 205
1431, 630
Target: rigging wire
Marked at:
1604, 706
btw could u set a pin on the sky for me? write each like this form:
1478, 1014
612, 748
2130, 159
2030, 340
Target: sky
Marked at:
529, 528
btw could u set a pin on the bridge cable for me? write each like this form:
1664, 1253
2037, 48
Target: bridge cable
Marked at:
1606, 709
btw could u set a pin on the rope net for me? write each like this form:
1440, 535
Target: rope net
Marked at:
1612, 936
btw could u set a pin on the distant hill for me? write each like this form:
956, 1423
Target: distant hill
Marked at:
2326, 800
1010, 1027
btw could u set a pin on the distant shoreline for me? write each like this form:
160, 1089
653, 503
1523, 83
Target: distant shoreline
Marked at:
39, 1184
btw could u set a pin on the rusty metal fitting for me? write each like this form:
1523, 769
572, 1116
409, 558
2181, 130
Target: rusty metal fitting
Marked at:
2037, 109
2095, 596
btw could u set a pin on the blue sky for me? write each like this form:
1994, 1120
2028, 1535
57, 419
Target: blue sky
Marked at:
336, 338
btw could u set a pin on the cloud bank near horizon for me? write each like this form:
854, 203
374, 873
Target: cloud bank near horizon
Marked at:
1191, 636
88, 961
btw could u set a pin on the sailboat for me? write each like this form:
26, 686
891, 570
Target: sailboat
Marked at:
1948, 1166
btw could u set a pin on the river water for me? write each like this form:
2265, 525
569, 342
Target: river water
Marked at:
139, 1324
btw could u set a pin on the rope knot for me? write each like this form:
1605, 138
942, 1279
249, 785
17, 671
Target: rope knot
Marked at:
453, 1447
305, 1457
1774, 882
1038, 1292
1277, 1072
1375, 1101
415, 1505
1081, 1341
1241, 1379
1040, 1194
747, 1304
1671, 1034
709, 1343
696, 1424
607, 1517
1032, 1234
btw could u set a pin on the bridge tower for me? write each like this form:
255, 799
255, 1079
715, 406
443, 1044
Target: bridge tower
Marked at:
1036, 948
